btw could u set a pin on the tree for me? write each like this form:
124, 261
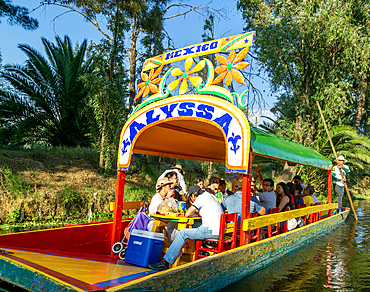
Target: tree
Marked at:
17, 15
133, 21
47, 104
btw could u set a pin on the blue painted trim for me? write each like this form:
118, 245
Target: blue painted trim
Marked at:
123, 279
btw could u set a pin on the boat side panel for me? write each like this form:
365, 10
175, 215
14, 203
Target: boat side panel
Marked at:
94, 239
219, 271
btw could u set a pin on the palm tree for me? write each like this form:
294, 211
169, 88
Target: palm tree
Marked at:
47, 102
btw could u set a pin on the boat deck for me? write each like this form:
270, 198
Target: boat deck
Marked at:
82, 272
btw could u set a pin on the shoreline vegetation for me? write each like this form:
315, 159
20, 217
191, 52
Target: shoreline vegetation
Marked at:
48, 187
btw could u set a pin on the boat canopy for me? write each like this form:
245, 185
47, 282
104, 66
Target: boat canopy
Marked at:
273, 146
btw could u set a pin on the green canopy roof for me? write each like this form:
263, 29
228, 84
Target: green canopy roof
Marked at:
274, 146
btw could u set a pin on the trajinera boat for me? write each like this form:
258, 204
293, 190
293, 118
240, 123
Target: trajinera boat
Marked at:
199, 120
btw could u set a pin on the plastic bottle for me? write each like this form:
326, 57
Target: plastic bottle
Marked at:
219, 196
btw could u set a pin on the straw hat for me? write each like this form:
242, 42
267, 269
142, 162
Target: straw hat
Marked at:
179, 167
162, 182
341, 157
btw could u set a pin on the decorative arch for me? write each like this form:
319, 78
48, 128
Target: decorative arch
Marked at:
193, 127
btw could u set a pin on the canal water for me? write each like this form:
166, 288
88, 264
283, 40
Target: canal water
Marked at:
337, 261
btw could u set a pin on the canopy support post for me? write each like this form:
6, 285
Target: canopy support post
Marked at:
330, 183
118, 208
246, 200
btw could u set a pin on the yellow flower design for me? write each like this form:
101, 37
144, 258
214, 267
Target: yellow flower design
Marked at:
194, 80
229, 67
149, 82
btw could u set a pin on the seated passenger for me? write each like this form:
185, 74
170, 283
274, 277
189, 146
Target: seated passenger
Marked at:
200, 182
312, 190
295, 190
172, 176
210, 210
268, 197
233, 204
214, 183
224, 191
297, 180
180, 174
163, 188
284, 199
307, 199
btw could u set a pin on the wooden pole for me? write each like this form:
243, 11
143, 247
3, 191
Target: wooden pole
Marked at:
336, 158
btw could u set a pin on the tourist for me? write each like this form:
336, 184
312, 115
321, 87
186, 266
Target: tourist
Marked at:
297, 180
163, 187
172, 176
268, 197
200, 182
222, 188
235, 181
284, 199
312, 190
211, 211
296, 190
339, 180
213, 185
180, 175
233, 204
307, 199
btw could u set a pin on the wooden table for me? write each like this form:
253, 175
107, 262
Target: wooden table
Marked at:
182, 222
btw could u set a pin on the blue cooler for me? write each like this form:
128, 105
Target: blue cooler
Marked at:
144, 247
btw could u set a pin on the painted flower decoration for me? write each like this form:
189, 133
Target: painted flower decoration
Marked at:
184, 77
229, 67
149, 82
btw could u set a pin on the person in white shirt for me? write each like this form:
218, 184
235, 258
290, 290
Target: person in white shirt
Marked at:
180, 175
339, 180
163, 187
268, 197
210, 210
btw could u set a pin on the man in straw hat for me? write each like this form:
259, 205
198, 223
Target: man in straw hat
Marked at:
163, 187
339, 180
180, 175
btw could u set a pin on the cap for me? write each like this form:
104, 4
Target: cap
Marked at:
311, 189
179, 167
238, 186
297, 177
214, 179
162, 182
193, 189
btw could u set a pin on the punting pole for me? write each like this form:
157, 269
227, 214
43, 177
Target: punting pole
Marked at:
118, 208
330, 182
336, 158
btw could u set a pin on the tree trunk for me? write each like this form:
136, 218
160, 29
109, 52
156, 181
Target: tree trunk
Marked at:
360, 109
132, 58
209, 171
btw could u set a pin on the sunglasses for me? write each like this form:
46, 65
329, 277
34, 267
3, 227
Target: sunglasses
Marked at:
267, 185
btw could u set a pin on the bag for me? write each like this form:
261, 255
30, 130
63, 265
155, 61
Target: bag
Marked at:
291, 224
168, 205
140, 222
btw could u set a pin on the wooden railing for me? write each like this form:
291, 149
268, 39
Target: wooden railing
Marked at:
128, 205
262, 221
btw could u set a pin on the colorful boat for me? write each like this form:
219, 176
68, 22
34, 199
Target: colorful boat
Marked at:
201, 120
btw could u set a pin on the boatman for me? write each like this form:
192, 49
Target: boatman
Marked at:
339, 180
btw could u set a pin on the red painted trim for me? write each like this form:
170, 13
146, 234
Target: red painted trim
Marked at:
118, 207
246, 199
72, 281
330, 183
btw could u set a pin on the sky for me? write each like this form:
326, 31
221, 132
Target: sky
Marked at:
184, 30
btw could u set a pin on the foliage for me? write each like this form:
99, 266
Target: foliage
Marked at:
13, 183
47, 104
17, 15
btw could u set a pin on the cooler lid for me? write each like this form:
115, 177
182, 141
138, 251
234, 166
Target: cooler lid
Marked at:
148, 234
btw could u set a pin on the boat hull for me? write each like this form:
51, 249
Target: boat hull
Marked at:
67, 271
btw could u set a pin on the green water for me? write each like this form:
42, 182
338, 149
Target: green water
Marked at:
337, 261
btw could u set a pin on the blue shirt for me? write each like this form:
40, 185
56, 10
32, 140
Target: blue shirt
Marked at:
299, 200
233, 204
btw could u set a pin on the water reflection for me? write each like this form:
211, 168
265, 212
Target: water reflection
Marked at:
338, 261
